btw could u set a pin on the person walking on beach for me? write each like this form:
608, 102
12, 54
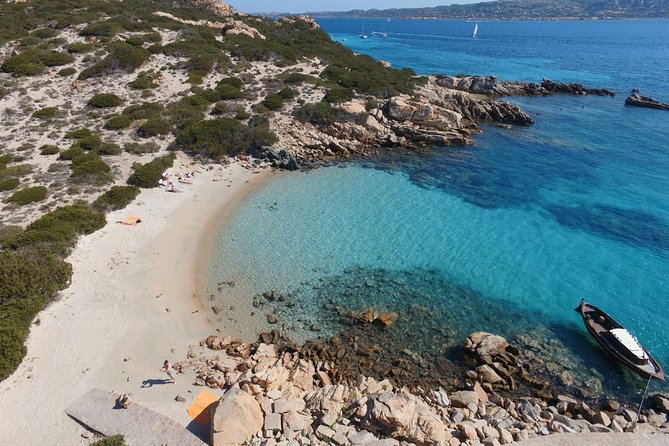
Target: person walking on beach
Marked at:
167, 368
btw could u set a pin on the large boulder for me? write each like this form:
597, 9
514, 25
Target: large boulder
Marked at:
485, 345
404, 416
399, 110
237, 418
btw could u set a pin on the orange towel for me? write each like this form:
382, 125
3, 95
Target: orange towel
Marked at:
131, 221
200, 410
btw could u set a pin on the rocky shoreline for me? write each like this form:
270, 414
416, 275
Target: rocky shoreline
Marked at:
445, 111
278, 393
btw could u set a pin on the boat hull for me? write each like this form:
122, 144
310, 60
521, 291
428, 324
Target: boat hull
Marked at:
650, 369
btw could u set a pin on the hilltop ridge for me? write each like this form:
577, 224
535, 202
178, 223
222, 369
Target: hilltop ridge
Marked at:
522, 10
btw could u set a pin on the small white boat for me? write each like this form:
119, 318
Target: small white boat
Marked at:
476, 31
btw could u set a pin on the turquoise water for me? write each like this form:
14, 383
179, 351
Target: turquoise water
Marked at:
499, 236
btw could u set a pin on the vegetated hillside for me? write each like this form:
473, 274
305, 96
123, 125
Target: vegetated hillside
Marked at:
524, 10
95, 95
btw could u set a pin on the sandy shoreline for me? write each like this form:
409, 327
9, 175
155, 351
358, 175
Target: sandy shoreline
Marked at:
133, 303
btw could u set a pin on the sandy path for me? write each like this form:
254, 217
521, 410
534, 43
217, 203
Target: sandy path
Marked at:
111, 313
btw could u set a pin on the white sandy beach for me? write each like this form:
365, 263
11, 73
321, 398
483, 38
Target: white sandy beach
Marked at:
109, 330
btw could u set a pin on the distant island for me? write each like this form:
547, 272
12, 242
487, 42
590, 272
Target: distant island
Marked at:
522, 10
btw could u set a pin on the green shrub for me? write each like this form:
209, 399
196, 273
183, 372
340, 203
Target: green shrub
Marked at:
8, 184
116, 198
273, 101
105, 100
287, 93
299, 78
18, 170
80, 47
371, 103
154, 127
229, 92
71, 153
140, 149
28, 195
48, 149
92, 142
222, 136
45, 113
90, 169
121, 56
242, 114
78, 133
107, 28
8, 232
109, 148
135, 41
119, 122
57, 231
144, 81
219, 108
116, 440
147, 175
67, 72
143, 111
232, 81
337, 95
55, 58
29, 282
322, 113
44, 33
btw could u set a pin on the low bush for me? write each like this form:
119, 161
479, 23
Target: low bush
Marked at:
116, 198
92, 142
222, 136
78, 133
273, 101
90, 169
29, 281
18, 170
287, 93
8, 232
144, 81
322, 113
71, 154
8, 184
232, 81
219, 108
242, 114
299, 78
121, 56
116, 440
67, 72
80, 47
48, 149
119, 122
147, 175
57, 231
143, 111
154, 127
140, 149
229, 92
337, 95
55, 58
28, 195
44, 33
109, 148
105, 100
45, 113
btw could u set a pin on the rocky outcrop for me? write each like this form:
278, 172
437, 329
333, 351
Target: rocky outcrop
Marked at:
279, 393
236, 419
302, 18
229, 26
405, 417
218, 7
491, 86
280, 158
636, 100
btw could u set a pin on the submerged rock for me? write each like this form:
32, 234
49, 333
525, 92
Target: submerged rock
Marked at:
636, 100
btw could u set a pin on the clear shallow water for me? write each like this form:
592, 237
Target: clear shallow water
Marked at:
527, 221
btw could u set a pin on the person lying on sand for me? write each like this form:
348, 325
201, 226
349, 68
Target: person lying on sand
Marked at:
185, 180
124, 400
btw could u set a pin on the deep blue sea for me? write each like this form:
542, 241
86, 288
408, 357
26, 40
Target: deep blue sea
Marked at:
504, 235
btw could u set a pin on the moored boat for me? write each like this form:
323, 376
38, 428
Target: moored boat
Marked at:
619, 342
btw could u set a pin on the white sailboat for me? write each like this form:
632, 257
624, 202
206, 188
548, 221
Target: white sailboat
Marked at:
476, 30
362, 34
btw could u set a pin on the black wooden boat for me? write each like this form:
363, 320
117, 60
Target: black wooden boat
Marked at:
619, 342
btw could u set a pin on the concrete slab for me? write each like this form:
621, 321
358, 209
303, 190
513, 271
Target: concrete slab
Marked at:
140, 426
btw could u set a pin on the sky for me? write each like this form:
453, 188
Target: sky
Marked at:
330, 5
